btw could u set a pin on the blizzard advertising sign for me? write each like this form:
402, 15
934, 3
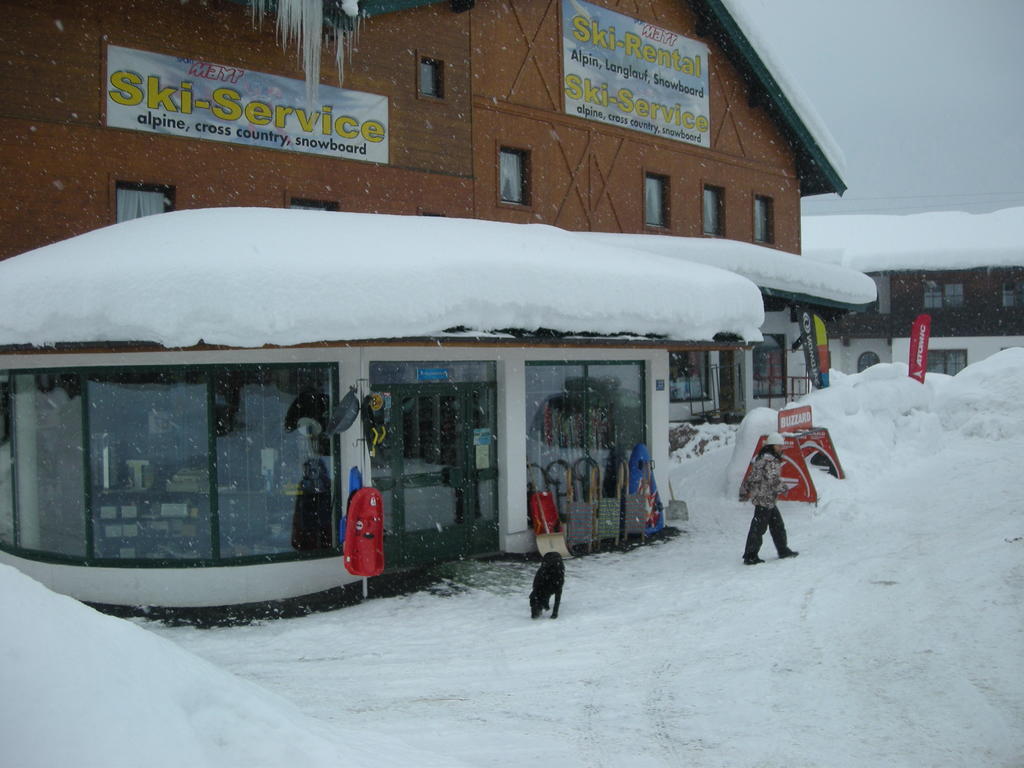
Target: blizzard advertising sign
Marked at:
626, 72
201, 100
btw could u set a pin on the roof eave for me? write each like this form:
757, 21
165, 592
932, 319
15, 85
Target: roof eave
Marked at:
816, 172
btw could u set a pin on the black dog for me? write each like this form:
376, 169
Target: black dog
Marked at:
548, 581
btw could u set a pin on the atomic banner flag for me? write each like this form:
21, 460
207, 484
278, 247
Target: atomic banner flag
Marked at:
919, 335
814, 340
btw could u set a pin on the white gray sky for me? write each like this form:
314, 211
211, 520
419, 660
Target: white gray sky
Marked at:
925, 97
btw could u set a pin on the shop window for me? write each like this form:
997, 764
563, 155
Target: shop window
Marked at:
866, 360
308, 204
178, 465
714, 211
949, 361
656, 200
1013, 294
764, 219
770, 366
688, 376
137, 200
6, 480
943, 296
273, 460
46, 429
431, 78
150, 465
582, 422
514, 176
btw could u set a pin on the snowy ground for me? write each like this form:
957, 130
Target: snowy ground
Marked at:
894, 639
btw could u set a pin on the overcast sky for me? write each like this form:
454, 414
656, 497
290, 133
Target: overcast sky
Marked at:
925, 97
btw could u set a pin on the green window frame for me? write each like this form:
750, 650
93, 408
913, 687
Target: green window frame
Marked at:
168, 466
582, 417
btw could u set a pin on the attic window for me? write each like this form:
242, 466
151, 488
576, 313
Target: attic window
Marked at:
764, 219
514, 176
137, 200
431, 78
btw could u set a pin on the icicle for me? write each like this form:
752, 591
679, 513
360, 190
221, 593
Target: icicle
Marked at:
303, 20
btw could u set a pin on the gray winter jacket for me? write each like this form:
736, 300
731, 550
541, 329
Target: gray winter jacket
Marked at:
763, 484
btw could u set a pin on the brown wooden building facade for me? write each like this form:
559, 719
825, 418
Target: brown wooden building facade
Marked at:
499, 85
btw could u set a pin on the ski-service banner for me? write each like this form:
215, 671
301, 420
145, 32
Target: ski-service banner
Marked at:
920, 332
198, 99
626, 72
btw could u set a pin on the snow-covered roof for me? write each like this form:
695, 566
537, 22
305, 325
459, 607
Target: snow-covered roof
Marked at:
777, 271
937, 240
247, 277
819, 156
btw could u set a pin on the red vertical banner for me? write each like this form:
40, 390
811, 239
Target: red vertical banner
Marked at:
919, 334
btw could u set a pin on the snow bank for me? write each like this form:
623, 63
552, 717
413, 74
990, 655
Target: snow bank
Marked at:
868, 414
252, 276
89, 690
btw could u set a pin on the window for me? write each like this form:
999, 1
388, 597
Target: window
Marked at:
883, 289
307, 204
866, 360
764, 220
950, 361
688, 376
1013, 294
770, 366
431, 78
582, 422
514, 173
182, 464
137, 200
714, 211
943, 296
655, 200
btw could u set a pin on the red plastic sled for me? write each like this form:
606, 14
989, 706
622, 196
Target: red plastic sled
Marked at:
544, 513
364, 534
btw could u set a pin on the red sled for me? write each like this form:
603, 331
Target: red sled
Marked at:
364, 534
544, 513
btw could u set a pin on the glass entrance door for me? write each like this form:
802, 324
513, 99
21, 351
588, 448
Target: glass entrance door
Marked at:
438, 474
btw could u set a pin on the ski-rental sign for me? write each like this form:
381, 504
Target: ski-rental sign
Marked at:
626, 72
919, 335
198, 99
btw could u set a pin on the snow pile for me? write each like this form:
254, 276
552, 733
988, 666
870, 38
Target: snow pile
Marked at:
937, 240
84, 689
252, 276
895, 638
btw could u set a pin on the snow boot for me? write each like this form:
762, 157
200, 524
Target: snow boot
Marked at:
788, 553
751, 560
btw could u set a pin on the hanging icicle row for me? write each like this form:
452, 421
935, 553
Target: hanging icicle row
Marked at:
303, 22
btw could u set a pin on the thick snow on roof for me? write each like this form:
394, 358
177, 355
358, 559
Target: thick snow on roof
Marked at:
937, 240
247, 277
767, 267
800, 102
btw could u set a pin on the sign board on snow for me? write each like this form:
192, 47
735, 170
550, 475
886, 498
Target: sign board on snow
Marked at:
626, 72
198, 99
795, 419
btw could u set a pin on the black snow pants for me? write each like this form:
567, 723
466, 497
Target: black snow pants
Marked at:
766, 518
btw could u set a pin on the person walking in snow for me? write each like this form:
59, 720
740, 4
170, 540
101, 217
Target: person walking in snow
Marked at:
762, 486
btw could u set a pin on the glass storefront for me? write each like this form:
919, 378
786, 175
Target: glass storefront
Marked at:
167, 465
582, 422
